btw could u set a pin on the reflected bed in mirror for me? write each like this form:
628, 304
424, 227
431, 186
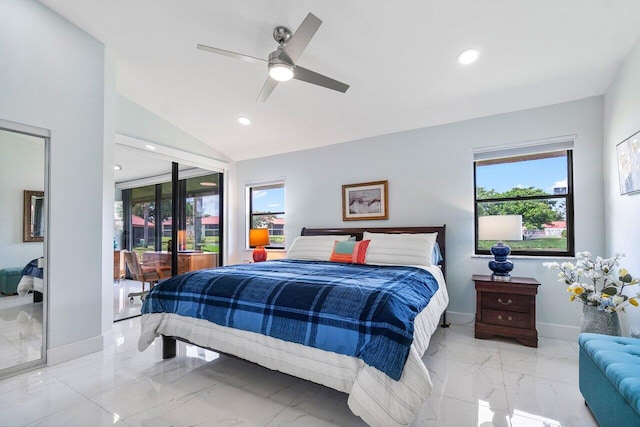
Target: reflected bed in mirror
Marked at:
33, 220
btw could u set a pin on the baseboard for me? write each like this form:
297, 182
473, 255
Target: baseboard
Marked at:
547, 330
460, 319
107, 339
74, 350
561, 332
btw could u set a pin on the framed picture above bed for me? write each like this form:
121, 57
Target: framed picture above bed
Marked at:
364, 201
628, 154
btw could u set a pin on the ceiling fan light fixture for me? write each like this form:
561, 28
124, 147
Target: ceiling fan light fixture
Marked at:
469, 56
281, 72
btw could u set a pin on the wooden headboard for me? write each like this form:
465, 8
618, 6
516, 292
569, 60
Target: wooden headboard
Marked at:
440, 229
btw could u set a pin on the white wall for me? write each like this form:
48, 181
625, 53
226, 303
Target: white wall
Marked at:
53, 77
138, 122
108, 194
430, 173
21, 168
621, 120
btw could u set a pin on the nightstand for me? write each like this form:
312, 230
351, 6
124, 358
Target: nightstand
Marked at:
506, 308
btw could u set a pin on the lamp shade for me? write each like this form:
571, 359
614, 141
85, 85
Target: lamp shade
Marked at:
182, 240
258, 236
500, 227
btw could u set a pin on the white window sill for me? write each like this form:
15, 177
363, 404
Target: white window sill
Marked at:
558, 257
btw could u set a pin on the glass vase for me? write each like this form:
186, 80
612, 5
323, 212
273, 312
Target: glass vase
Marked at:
599, 322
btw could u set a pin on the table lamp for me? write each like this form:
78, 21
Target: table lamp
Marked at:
258, 238
500, 227
182, 240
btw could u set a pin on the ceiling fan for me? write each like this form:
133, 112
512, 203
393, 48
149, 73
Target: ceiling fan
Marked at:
282, 62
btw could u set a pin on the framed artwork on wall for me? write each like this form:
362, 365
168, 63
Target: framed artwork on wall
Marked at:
628, 155
364, 201
33, 216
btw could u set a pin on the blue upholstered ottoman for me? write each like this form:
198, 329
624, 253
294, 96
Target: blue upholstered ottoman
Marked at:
610, 378
9, 278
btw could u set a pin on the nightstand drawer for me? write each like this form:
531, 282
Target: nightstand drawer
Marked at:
512, 319
506, 302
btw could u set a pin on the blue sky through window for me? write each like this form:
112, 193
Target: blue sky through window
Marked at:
545, 174
269, 200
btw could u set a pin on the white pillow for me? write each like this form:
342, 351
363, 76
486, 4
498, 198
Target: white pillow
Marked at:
400, 249
314, 248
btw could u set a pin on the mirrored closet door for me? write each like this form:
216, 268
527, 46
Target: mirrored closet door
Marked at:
23, 231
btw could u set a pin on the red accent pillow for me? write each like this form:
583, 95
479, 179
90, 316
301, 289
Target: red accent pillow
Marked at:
350, 252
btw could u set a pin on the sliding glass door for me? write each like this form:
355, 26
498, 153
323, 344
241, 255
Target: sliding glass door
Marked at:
199, 221
149, 230
202, 213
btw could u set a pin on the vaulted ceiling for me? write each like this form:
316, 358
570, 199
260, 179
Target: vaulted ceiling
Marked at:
398, 56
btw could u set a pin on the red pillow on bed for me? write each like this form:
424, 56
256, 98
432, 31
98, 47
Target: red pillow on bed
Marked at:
350, 252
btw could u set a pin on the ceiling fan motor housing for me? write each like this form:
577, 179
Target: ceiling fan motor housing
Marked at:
279, 60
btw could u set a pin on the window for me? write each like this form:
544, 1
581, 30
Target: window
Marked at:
202, 212
266, 210
199, 200
143, 218
535, 187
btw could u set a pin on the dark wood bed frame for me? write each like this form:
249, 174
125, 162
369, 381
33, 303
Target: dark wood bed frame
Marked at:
169, 343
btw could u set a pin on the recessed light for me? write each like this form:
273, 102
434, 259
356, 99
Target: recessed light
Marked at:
244, 120
150, 147
208, 184
468, 56
117, 167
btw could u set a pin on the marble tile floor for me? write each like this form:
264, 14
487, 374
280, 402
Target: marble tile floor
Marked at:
123, 307
479, 383
20, 331
21, 322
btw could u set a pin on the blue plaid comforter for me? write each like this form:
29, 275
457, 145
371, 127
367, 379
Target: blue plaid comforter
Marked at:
364, 311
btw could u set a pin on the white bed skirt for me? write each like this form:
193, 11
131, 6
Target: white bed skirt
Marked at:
29, 283
373, 396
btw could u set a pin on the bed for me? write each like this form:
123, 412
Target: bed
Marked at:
383, 391
32, 280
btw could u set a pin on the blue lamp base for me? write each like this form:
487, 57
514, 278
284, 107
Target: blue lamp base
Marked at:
500, 265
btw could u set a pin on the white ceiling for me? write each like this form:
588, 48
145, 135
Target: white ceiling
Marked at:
398, 57
138, 165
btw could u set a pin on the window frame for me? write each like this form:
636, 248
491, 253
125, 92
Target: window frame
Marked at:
569, 208
250, 213
160, 197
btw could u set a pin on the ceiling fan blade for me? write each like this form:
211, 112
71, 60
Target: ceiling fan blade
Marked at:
267, 88
309, 76
230, 54
301, 38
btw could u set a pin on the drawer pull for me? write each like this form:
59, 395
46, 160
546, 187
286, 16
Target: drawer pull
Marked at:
509, 301
509, 318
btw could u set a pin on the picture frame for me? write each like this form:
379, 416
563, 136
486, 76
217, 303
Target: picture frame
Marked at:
33, 216
628, 157
365, 201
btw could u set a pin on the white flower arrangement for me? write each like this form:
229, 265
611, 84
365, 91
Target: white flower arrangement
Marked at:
593, 282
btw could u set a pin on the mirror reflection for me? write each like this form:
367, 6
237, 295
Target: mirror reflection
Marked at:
22, 233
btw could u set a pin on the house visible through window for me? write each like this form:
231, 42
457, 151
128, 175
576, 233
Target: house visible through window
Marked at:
266, 210
536, 187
